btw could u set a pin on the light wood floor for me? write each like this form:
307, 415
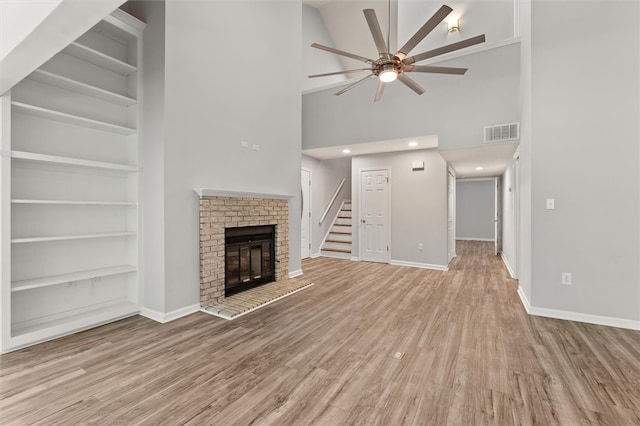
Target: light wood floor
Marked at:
324, 356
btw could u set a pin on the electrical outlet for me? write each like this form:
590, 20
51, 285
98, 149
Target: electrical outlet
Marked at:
244, 144
256, 147
566, 278
420, 246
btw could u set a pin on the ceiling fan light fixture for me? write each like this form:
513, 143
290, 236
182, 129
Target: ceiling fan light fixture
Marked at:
453, 26
388, 74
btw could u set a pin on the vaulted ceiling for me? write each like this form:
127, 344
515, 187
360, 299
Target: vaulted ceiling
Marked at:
348, 29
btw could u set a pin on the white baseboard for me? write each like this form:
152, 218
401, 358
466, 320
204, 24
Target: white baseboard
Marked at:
314, 255
508, 265
419, 265
294, 274
474, 239
355, 258
169, 316
577, 316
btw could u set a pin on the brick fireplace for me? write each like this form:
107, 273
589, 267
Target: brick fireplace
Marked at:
221, 212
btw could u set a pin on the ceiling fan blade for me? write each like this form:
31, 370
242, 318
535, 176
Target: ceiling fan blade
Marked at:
351, 86
342, 52
437, 70
376, 32
340, 72
444, 49
379, 92
433, 22
410, 83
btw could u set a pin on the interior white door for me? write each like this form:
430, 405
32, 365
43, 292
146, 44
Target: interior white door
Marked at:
451, 216
305, 220
374, 216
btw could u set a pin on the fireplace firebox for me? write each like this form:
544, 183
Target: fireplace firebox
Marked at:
249, 257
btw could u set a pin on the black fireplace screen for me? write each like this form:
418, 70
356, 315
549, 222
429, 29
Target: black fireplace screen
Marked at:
249, 257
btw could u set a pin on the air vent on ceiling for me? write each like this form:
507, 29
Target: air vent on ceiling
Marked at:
502, 132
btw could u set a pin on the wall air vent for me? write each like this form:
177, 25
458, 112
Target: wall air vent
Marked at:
502, 132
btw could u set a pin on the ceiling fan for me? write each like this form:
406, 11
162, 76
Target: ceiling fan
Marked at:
389, 67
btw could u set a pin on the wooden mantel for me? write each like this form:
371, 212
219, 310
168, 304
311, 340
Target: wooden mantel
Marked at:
206, 192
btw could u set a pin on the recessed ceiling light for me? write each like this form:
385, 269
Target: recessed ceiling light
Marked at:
346, 151
479, 168
413, 143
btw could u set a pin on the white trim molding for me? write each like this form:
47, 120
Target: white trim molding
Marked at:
419, 265
577, 316
474, 239
169, 316
508, 265
314, 255
294, 274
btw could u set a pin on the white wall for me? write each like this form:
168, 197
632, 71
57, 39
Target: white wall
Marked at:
18, 19
210, 109
31, 32
475, 209
486, 94
584, 153
315, 61
152, 144
418, 205
509, 220
326, 175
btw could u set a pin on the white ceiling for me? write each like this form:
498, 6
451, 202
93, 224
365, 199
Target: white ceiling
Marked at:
377, 147
493, 158
348, 28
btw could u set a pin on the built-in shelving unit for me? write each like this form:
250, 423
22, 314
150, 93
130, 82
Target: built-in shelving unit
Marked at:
66, 161
70, 277
100, 59
71, 119
69, 174
74, 202
52, 79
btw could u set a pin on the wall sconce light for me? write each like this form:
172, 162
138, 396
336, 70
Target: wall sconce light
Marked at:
452, 25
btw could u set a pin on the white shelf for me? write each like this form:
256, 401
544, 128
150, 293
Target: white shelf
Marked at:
73, 203
67, 278
51, 79
100, 59
71, 237
24, 334
71, 119
54, 159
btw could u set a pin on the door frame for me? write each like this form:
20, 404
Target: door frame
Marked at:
304, 169
361, 234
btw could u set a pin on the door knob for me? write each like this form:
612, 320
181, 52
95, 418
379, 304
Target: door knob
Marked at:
363, 221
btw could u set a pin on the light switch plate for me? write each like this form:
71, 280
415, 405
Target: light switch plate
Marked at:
551, 204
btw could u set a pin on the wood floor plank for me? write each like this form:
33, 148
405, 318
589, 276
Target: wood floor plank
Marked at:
470, 354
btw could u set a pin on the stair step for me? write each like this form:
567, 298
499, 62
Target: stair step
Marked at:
345, 217
341, 224
337, 250
341, 232
337, 241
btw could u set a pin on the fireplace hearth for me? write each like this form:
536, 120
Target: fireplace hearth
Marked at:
249, 257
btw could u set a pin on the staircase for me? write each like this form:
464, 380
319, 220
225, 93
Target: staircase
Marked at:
338, 240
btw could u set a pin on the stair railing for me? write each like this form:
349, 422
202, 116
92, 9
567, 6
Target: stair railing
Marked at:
333, 200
